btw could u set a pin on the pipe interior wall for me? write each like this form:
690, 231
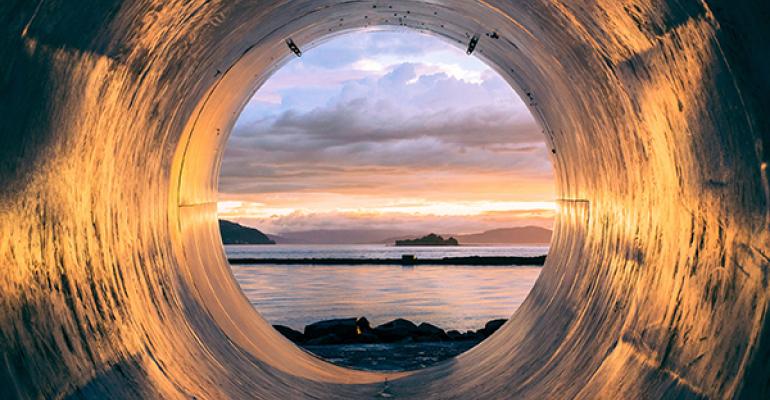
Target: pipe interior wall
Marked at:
114, 117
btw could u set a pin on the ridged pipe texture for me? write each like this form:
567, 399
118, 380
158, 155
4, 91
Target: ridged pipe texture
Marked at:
114, 115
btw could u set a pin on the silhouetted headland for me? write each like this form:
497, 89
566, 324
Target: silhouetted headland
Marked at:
233, 233
473, 260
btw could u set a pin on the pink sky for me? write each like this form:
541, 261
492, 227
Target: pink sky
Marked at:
380, 130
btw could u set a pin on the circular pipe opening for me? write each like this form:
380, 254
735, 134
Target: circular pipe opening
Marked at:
431, 129
234, 87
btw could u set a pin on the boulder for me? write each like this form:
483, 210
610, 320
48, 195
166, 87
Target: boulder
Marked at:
472, 335
367, 337
454, 335
363, 325
430, 333
343, 328
491, 327
324, 340
346, 330
359, 330
291, 334
396, 330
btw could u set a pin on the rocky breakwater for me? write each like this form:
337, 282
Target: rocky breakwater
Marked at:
359, 331
396, 345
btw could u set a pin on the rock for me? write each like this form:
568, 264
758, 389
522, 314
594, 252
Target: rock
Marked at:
363, 324
358, 330
346, 331
396, 330
430, 332
427, 329
468, 335
454, 335
367, 337
472, 335
491, 327
343, 328
291, 334
324, 340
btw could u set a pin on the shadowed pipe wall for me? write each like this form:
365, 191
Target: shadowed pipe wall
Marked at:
114, 116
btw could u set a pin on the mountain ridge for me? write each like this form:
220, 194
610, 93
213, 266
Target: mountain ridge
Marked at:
517, 235
337, 236
234, 233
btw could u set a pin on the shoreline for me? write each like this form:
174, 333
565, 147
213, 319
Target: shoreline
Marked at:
405, 260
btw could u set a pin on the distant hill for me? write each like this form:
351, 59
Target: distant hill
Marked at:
233, 233
339, 236
517, 235
429, 240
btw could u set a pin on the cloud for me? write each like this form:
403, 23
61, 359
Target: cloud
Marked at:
435, 120
347, 49
384, 114
298, 221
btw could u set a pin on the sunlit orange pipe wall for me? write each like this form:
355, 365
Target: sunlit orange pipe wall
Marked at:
114, 116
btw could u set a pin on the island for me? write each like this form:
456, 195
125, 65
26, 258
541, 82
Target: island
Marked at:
233, 233
429, 240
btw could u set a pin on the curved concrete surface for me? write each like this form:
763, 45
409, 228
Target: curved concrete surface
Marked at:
114, 114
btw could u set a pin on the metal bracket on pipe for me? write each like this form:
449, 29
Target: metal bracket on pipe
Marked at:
293, 47
472, 44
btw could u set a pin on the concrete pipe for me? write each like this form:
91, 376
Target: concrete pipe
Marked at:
114, 114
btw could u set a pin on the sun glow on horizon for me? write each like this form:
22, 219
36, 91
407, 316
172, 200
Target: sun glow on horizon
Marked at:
483, 215
247, 209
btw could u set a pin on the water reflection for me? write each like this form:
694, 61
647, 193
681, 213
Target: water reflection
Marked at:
452, 297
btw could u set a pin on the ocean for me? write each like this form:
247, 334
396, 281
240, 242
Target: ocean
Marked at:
451, 297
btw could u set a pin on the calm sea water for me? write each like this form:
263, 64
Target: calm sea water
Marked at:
452, 297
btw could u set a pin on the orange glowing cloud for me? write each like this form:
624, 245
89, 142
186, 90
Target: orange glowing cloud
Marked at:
372, 131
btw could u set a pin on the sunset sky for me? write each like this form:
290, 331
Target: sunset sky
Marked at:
386, 130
